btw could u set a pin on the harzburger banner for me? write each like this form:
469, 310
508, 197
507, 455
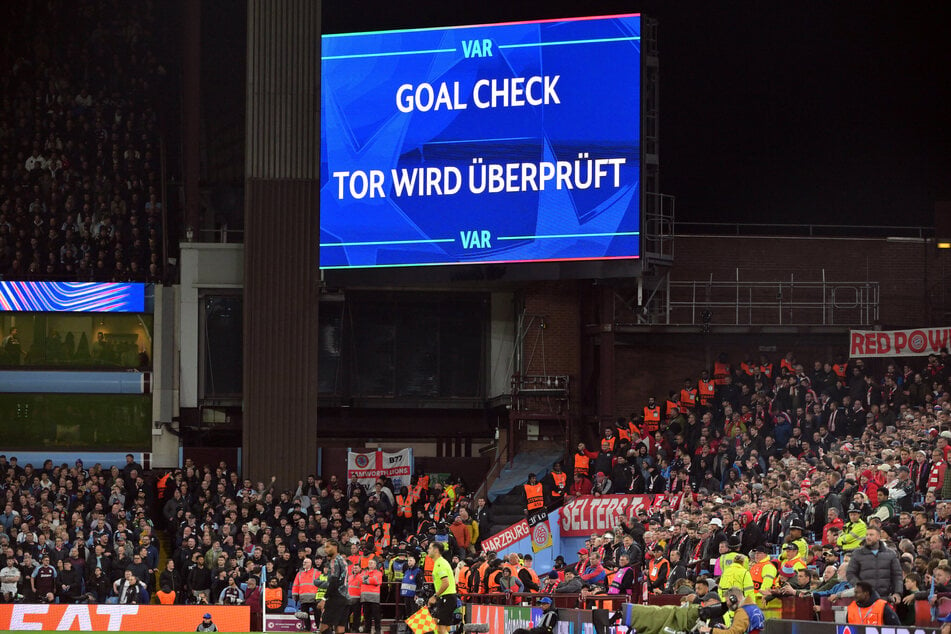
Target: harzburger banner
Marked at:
918, 342
368, 466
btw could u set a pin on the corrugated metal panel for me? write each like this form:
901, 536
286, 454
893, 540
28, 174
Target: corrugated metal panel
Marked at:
280, 328
283, 89
282, 196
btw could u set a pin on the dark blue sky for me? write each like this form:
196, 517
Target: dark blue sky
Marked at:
771, 112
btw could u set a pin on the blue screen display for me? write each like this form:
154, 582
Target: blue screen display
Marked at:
515, 142
73, 297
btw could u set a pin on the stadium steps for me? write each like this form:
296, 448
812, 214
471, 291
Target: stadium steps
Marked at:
506, 493
165, 553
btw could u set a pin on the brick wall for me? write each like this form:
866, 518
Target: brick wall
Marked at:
911, 274
555, 349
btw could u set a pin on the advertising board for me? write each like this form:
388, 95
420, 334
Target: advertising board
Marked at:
121, 618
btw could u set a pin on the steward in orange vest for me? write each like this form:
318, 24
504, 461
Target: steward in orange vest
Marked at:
583, 460
273, 597
706, 389
534, 493
721, 370
659, 569
688, 395
651, 416
870, 609
559, 481
166, 597
404, 504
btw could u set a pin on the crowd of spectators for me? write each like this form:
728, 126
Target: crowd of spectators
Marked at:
72, 534
80, 190
785, 481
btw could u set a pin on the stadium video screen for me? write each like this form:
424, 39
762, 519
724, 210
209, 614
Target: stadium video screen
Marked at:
500, 143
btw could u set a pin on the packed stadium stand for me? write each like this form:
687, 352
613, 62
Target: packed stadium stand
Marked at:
81, 194
797, 465
685, 454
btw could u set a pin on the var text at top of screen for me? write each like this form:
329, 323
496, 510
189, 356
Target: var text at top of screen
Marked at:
500, 143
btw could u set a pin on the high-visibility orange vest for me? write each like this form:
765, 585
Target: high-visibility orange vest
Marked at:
872, 615
354, 583
624, 434
749, 368
514, 568
787, 365
634, 429
462, 579
534, 576
273, 598
840, 369
163, 482
561, 484
493, 584
767, 370
373, 582
404, 506
688, 397
306, 582
428, 569
720, 372
756, 573
671, 405
582, 464
610, 441
166, 598
439, 507
706, 390
535, 496
653, 572
651, 419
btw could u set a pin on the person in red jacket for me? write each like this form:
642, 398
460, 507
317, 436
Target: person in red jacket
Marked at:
370, 583
581, 486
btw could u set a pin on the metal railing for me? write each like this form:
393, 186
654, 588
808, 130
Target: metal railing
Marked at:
792, 303
799, 230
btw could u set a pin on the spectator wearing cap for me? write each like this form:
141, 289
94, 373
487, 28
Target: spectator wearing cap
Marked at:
547, 622
854, 530
794, 536
572, 583
711, 545
658, 570
790, 563
902, 489
602, 484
